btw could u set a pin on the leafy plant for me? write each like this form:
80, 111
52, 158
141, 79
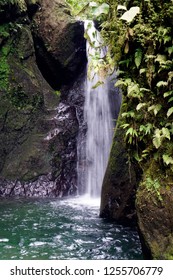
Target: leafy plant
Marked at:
88, 10
145, 71
129, 15
154, 187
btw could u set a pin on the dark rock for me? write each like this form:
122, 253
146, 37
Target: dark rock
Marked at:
37, 133
10, 11
32, 7
75, 96
119, 185
59, 43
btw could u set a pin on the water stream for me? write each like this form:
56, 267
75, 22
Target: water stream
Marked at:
97, 116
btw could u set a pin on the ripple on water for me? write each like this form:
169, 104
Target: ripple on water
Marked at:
62, 229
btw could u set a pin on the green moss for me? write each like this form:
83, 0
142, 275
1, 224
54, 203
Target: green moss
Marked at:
20, 3
4, 31
4, 68
159, 253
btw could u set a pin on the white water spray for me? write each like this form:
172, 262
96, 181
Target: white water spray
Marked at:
97, 115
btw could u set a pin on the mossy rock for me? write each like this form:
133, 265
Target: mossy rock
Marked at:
24, 98
154, 205
119, 185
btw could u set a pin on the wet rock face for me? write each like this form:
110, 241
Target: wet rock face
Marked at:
62, 142
37, 132
59, 146
59, 43
119, 185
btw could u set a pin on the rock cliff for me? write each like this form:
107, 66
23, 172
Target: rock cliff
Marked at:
37, 131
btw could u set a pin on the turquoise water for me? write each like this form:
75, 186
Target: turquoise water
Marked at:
62, 229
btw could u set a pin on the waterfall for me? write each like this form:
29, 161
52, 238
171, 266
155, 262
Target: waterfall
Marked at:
98, 119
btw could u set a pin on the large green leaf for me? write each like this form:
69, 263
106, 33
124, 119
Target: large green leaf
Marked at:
130, 14
98, 10
170, 111
155, 108
138, 57
168, 93
167, 159
162, 84
121, 7
166, 133
140, 105
157, 139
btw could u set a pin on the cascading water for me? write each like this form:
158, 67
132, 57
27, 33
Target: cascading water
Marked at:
97, 116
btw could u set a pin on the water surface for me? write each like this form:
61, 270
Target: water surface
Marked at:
62, 229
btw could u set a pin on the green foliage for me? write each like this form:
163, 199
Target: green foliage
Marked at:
170, 111
20, 3
167, 159
153, 186
4, 68
86, 9
77, 6
20, 100
141, 48
4, 31
138, 57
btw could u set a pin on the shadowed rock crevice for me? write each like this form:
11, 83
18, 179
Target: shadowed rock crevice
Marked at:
59, 43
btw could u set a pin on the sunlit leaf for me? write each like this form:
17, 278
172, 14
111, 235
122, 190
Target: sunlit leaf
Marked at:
170, 111
93, 4
119, 83
162, 84
167, 159
157, 140
141, 71
130, 14
125, 125
155, 108
97, 84
168, 93
161, 58
166, 133
121, 7
140, 105
133, 88
170, 99
170, 50
101, 9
